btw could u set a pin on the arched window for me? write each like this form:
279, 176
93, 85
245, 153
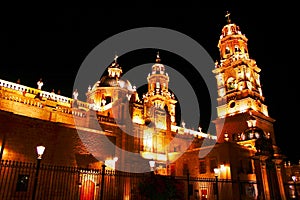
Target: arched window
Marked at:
232, 29
226, 31
227, 50
237, 49
108, 99
230, 83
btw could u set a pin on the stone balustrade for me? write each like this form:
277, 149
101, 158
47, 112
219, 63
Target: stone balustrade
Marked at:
28, 96
182, 131
33, 92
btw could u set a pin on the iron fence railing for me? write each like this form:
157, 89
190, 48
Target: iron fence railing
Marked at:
17, 180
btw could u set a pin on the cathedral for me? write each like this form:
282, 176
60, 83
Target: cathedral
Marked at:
126, 131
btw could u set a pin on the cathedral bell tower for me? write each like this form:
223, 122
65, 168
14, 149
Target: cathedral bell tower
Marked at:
240, 96
158, 101
242, 116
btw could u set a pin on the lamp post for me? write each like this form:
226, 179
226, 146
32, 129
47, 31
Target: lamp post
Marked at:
217, 171
40, 151
188, 184
295, 186
102, 181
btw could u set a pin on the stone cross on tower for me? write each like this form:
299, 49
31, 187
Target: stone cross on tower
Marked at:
228, 17
157, 57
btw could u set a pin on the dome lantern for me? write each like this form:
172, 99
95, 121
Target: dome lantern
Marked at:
114, 70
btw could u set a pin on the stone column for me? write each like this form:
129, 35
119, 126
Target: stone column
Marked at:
265, 181
279, 177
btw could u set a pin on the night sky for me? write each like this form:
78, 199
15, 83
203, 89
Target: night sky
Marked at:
53, 43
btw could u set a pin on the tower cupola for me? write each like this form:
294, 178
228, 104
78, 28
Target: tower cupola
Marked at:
232, 43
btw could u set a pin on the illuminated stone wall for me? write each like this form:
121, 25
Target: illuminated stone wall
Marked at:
63, 144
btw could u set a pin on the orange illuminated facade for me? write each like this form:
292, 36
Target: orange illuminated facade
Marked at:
243, 148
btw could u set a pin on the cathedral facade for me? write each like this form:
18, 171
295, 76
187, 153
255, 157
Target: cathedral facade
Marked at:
125, 130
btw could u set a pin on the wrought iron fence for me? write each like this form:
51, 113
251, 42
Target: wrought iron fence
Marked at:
17, 180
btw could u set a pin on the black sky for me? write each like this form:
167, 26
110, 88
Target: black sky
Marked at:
52, 43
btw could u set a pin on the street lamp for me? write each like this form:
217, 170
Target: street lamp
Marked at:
111, 163
217, 171
226, 138
152, 165
251, 125
102, 181
251, 122
40, 151
295, 186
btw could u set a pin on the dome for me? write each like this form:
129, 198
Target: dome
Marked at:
107, 81
113, 78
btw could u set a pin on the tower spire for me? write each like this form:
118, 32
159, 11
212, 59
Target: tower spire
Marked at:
228, 17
